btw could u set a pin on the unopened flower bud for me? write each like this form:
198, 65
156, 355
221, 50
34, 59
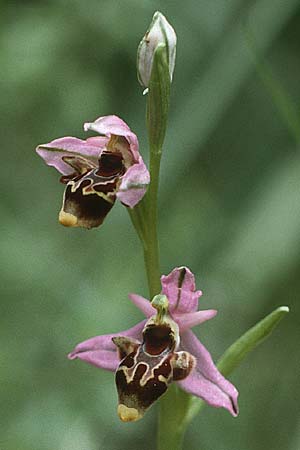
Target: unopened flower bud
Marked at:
159, 32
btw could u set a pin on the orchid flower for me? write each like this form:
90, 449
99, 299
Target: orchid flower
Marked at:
160, 350
97, 170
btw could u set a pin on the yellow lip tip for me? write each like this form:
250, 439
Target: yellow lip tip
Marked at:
67, 219
128, 414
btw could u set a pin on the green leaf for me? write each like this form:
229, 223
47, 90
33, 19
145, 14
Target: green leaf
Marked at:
185, 407
235, 354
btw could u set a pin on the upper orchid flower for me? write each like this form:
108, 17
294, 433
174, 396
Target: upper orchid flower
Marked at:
97, 170
161, 349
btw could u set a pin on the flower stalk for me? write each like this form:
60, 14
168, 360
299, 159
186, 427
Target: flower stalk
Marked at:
175, 403
173, 413
144, 216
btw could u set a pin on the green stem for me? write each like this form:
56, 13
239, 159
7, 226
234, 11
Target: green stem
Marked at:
156, 119
173, 410
151, 249
174, 405
144, 215
144, 219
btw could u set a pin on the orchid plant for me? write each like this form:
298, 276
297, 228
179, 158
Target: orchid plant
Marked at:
160, 358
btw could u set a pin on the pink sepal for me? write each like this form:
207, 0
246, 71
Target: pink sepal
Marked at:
206, 381
100, 351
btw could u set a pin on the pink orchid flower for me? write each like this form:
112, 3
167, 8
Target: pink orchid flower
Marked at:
160, 350
97, 170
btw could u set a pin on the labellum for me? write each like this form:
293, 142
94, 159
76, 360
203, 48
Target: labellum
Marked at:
91, 190
147, 369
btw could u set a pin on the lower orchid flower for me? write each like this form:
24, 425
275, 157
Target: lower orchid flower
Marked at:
160, 350
97, 170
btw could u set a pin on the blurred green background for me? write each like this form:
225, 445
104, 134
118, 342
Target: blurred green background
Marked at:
229, 209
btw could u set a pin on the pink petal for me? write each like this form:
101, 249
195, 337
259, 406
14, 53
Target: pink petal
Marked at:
97, 141
143, 304
101, 352
206, 381
108, 125
189, 320
179, 287
53, 152
134, 184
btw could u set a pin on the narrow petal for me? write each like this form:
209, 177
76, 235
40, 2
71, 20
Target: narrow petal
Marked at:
103, 359
179, 287
183, 363
206, 381
108, 125
143, 304
125, 345
189, 320
54, 151
134, 184
100, 351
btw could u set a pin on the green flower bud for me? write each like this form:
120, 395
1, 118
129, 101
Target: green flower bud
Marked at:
159, 32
